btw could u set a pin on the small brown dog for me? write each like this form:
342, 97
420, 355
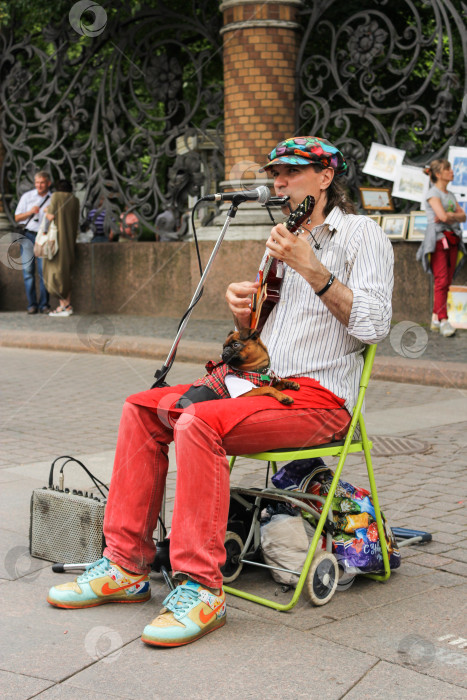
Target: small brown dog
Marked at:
246, 356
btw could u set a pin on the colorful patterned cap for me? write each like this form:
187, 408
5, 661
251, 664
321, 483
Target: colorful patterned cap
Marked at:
307, 150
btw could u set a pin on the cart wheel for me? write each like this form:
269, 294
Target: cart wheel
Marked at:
233, 546
322, 578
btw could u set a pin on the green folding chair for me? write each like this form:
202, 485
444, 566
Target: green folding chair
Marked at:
338, 449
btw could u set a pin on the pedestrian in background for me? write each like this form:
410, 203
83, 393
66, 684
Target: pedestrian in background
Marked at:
28, 214
439, 252
96, 221
129, 225
64, 209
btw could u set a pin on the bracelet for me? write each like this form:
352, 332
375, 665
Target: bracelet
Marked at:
326, 287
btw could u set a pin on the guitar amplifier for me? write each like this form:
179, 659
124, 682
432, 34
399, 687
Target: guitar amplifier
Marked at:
66, 527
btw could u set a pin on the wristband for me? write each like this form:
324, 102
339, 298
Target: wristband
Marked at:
326, 287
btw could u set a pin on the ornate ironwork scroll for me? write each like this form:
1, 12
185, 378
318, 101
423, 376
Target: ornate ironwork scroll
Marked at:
390, 72
121, 104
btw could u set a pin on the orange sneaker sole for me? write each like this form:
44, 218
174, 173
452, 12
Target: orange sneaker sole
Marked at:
221, 623
94, 605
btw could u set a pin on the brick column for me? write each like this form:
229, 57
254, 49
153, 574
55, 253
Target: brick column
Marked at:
260, 53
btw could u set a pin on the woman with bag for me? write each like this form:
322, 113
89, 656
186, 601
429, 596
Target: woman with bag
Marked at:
63, 210
443, 240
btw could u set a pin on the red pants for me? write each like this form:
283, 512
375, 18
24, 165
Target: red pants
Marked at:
443, 264
202, 492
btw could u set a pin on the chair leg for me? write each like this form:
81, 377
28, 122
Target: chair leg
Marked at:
374, 496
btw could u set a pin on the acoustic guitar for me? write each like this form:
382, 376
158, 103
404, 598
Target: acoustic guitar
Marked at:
271, 272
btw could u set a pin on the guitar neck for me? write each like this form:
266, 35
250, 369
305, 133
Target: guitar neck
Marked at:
269, 276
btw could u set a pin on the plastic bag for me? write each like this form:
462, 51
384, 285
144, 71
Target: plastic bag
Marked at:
285, 540
356, 542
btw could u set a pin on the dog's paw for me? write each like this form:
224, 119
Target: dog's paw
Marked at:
286, 400
291, 385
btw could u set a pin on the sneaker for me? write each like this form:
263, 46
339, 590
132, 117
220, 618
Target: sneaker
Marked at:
32, 310
190, 612
446, 329
435, 324
62, 311
45, 310
102, 582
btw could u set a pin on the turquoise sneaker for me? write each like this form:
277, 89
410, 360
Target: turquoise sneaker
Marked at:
190, 612
102, 582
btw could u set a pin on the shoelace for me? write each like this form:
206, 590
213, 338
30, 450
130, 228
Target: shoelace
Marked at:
181, 600
100, 567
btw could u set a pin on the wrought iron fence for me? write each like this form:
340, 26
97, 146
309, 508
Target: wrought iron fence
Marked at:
129, 105
393, 73
126, 106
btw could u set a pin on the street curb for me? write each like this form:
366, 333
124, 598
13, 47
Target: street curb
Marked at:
451, 375
133, 346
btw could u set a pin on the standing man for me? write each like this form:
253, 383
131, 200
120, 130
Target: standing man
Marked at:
29, 213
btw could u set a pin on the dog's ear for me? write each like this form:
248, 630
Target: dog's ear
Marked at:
229, 336
254, 335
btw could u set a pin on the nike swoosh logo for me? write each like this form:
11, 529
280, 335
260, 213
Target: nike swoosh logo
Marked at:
206, 617
106, 590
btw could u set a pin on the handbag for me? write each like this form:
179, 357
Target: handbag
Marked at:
46, 243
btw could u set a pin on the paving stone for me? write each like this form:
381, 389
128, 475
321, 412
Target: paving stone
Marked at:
15, 560
457, 518
70, 692
430, 560
241, 648
387, 681
456, 567
33, 632
457, 554
447, 537
432, 547
416, 645
15, 686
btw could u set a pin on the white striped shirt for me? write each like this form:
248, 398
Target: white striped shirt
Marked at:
303, 337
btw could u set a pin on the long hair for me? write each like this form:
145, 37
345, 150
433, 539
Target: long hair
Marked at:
336, 196
435, 167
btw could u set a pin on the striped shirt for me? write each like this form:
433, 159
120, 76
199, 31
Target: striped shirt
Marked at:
303, 337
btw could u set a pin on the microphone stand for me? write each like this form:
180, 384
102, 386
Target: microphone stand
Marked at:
161, 374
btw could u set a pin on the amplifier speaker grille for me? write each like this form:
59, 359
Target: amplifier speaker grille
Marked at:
65, 527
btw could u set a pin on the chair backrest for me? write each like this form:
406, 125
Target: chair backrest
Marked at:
369, 356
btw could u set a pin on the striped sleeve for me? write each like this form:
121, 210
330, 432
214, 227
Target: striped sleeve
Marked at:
371, 281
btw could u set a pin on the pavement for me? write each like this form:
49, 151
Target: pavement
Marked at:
63, 383
411, 353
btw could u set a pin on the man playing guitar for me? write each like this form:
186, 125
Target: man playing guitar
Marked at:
335, 297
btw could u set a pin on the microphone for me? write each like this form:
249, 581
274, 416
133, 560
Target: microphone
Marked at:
260, 194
